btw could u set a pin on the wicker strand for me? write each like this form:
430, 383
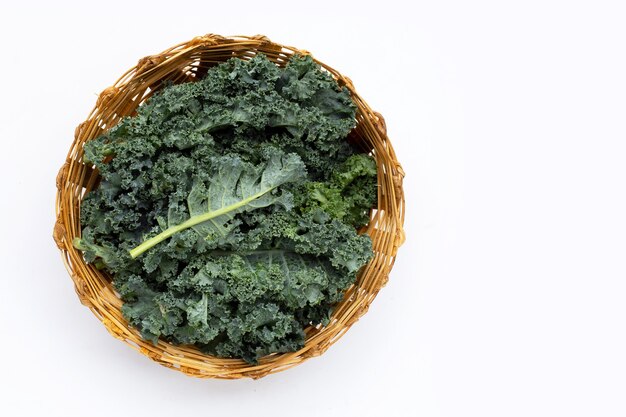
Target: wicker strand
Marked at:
187, 62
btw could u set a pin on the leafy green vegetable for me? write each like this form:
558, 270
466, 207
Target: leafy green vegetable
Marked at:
351, 188
228, 208
236, 187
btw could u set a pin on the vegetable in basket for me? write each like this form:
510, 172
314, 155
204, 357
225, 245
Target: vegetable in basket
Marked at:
228, 209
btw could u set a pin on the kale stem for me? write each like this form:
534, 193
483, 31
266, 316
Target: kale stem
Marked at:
192, 221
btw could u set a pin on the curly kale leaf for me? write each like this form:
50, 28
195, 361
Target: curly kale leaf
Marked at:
234, 187
245, 304
348, 196
312, 233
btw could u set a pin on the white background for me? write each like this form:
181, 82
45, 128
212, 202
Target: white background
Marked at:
507, 298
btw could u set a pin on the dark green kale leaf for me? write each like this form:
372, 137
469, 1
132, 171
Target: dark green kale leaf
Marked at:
228, 208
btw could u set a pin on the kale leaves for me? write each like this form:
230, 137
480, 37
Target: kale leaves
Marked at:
235, 187
227, 208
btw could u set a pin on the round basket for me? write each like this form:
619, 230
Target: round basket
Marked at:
187, 62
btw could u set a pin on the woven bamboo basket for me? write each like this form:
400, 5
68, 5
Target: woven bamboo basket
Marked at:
187, 62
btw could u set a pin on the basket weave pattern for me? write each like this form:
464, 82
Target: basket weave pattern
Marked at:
187, 62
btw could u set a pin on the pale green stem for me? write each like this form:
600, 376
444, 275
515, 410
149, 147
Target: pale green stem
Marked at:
192, 221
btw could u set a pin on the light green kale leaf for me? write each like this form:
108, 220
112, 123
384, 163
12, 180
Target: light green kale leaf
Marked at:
348, 195
234, 187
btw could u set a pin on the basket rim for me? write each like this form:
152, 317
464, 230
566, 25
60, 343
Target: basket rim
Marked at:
183, 63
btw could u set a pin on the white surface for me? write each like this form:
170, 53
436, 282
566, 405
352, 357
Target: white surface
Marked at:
508, 296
